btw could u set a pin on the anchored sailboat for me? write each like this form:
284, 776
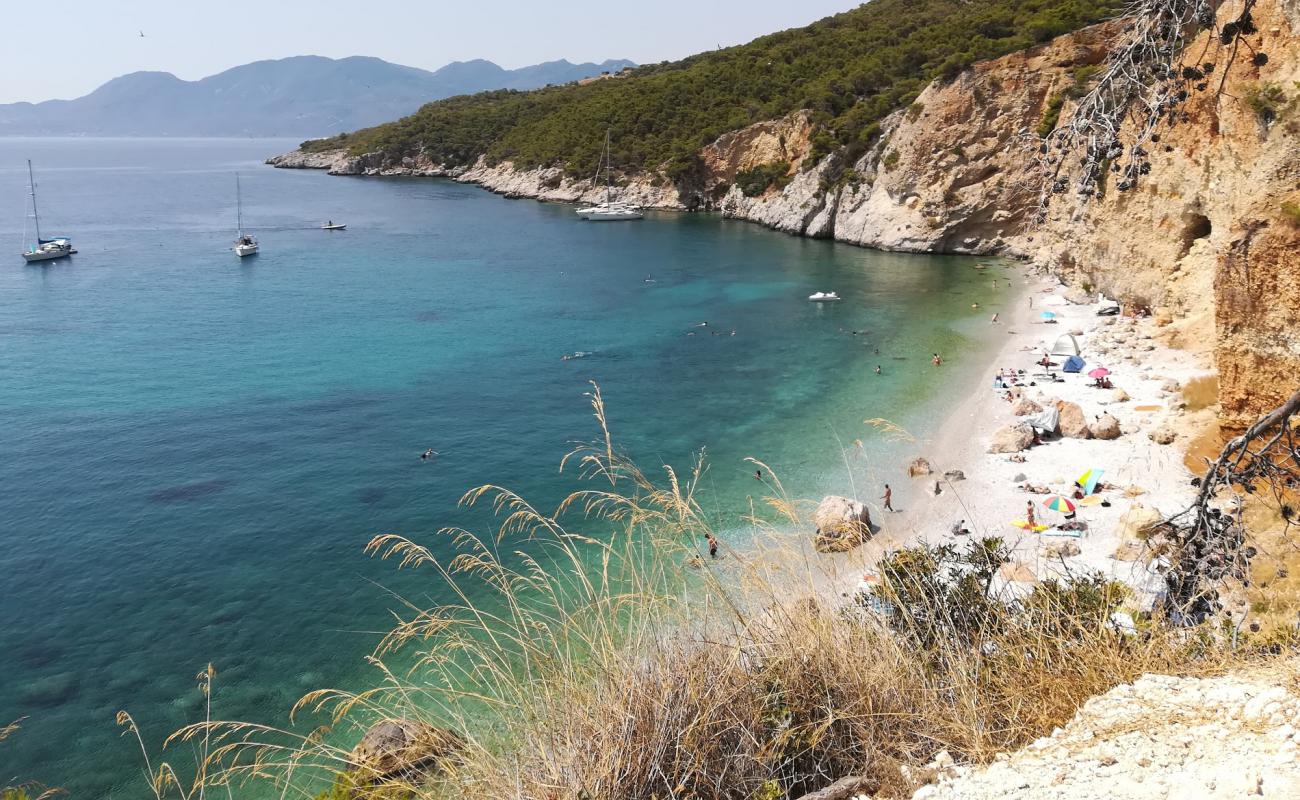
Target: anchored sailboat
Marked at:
609, 211
44, 249
245, 243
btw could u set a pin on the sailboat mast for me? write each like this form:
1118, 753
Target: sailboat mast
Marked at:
608, 166
31, 179
239, 208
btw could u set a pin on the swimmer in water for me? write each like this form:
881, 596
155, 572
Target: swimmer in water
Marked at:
427, 454
877, 369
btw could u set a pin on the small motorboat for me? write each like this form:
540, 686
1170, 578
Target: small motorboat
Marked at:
334, 226
823, 297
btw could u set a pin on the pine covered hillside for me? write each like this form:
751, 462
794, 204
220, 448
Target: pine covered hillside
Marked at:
850, 70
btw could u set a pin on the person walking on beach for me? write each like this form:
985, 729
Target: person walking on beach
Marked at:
888, 498
713, 545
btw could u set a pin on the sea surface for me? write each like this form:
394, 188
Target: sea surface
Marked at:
194, 449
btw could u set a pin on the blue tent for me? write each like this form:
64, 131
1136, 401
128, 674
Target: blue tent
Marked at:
1073, 364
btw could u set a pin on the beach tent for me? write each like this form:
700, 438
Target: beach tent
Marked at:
1066, 345
1073, 364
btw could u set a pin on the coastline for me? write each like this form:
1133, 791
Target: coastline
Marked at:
1147, 480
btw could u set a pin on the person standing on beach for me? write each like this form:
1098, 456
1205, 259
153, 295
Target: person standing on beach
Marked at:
713, 545
888, 498
1029, 514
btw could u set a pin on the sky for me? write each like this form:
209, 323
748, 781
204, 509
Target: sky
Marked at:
66, 48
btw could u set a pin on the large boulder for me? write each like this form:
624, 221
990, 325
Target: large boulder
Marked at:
1119, 396
1073, 424
1012, 439
402, 749
1025, 406
1105, 427
919, 467
842, 524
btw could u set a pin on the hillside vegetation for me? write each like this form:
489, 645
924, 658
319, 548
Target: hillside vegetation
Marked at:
850, 70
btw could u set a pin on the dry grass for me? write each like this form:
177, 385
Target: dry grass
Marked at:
612, 664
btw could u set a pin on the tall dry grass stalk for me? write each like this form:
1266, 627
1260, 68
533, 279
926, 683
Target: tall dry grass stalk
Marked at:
612, 661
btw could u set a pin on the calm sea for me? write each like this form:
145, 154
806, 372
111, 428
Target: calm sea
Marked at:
194, 449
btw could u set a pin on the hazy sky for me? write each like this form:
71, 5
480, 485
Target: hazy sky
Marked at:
65, 48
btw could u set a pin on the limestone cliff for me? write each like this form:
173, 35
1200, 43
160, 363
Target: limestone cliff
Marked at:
1205, 235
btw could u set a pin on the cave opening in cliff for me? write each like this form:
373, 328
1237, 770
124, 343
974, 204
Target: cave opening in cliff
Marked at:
1197, 226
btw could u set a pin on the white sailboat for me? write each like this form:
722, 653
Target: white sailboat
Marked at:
609, 211
245, 243
44, 249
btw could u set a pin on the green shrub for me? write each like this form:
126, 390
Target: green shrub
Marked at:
1291, 213
850, 70
890, 159
1266, 100
756, 181
1051, 115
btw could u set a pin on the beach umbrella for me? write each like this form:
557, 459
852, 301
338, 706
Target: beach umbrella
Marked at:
1049, 315
1090, 479
1058, 503
1099, 372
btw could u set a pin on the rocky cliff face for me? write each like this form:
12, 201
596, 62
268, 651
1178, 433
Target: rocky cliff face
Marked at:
1206, 240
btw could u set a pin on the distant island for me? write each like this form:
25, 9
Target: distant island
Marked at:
302, 96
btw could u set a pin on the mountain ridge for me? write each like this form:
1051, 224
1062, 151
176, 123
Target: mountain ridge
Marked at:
303, 95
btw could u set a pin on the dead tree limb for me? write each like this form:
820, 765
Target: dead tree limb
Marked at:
1210, 542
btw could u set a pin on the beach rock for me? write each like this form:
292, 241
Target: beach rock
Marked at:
919, 467
1076, 331
1012, 439
1078, 296
1163, 316
1025, 406
954, 475
1128, 551
402, 748
1138, 522
1073, 424
1170, 385
1119, 396
1020, 477
1105, 427
842, 524
1063, 549
1162, 434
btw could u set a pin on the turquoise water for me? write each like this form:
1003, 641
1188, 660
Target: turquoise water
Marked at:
195, 448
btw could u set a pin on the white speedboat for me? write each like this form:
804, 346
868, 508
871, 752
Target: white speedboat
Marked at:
245, 243
334, 226
44, 249
610, 210
823, 297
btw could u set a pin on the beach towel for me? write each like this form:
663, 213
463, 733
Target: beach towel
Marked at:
1045, 421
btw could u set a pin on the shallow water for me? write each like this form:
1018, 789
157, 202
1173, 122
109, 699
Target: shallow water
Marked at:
196, 448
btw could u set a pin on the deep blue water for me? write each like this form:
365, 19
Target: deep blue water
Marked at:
194, 449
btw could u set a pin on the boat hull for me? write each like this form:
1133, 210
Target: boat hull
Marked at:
47, 255
244, 250
613, 216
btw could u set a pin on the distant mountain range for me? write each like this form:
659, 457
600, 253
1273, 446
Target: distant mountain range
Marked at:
303, 96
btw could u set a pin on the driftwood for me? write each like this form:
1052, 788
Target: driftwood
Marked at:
845, 788
1210, 543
